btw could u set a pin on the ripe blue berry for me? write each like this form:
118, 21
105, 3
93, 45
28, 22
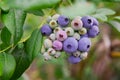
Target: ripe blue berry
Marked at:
74, 60
70, 45
84, 44
95, 21
87, 21
46, 30
63, 21
94, 31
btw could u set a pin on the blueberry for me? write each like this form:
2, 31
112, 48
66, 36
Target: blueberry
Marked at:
76, 24
87, 21
47, 43
57, 29
55, 17
84, 44
94, 31
83, 31
69, 31
53, 24
95, 21
74, 60
70, 45
51, 51
46, 30
57, 45
63, 21
76, 54
76, 36
83, 55
61, 35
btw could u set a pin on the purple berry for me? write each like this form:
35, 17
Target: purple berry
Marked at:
74, 60
95, 21
46, 30
87, 21
70, 45
84, 44
61, 35
63, 21
94, 31
57, 45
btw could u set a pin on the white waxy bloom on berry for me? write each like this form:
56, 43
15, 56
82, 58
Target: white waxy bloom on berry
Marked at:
46, 56
51, 51
42, 49
83, 55
76, 36
58, 54
77, 54
53, 23
83, 31
49, 18
69, 31
57, 29
55, 17
47, 43
52, 37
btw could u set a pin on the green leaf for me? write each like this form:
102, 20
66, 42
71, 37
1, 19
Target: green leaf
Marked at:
32, 4
33, 44
78, 9
7, 66
22, 63
117, 18
115, 28
37, 12
5, 36
8, 19
105, 11
14, 21
100, 17
19, 22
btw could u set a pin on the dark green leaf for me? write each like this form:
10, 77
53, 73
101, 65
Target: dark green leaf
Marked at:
19, 22
22, 63
33, 44
14, 21
31, 4
5, 36
37, 12
7, 66
78, 9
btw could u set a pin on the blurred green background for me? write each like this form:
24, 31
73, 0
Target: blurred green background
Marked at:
103, 62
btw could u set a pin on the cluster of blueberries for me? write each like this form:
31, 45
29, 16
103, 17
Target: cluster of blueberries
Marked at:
71, 36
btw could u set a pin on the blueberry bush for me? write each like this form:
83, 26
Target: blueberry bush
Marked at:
19, 47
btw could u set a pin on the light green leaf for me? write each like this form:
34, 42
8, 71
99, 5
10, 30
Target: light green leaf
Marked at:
117, 17
31, 4
100, 17
105, 11
78, 9
33, 44
7, 66
5, 36
22, 62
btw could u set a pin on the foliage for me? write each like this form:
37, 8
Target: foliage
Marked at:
17, 51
